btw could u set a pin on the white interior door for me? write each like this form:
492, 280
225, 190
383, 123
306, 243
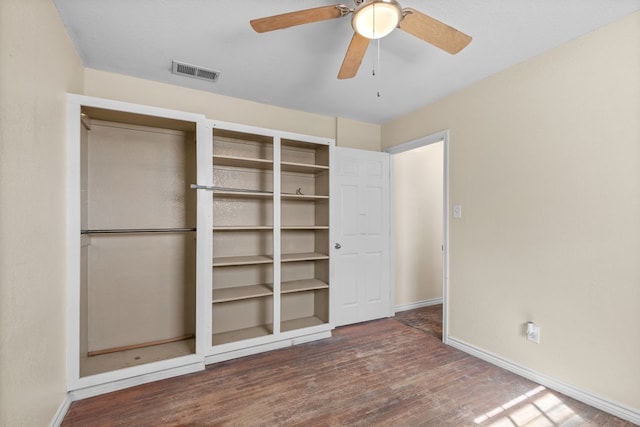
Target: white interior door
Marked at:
360, 236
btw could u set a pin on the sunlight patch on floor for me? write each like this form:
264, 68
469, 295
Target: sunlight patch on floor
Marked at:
531, 409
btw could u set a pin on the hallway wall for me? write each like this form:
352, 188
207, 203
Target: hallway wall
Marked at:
417, 190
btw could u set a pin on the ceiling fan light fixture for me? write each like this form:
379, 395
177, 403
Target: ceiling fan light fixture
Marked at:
375, 19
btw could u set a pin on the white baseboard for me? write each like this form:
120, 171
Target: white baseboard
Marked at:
247, 351
98, 389
419, 304
312, 337
572, 391
223, 355
95, 390
61, 412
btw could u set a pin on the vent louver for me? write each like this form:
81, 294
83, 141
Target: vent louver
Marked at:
194, 71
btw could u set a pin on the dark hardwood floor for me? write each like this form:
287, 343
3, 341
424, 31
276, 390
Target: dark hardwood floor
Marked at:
383, 373
427, 319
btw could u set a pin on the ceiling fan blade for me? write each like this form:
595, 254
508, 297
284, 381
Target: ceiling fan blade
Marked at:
352, 60
291, 19
433, 31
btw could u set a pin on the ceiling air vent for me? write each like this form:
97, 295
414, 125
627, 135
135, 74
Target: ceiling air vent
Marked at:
194, 71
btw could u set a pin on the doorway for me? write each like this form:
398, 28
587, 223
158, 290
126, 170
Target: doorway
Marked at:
419, 187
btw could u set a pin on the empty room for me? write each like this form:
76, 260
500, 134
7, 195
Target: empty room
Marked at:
378, 212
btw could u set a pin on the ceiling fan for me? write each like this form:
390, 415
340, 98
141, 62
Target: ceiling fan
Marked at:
371, 19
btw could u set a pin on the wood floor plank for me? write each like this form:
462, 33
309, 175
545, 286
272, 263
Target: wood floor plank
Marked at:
377, 373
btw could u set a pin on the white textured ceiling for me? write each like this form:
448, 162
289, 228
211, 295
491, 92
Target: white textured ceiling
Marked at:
297, 67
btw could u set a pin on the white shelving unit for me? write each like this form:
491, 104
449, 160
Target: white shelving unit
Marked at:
304, 234
271, 269
240, 266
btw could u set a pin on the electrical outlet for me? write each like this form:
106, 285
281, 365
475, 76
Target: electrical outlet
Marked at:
533, 332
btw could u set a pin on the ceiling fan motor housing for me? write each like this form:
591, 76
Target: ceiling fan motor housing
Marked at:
375, 19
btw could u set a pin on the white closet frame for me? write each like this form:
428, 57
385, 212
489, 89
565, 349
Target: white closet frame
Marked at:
81, 387
205, 352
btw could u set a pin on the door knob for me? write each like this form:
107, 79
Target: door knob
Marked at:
338, 246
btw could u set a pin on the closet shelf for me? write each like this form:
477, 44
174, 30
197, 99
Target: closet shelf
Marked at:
242, 162
241, 260
302, 285
242, 194
304, 227
241, 292
303, 197
303, 322
137, 230
302, 167
306, 256
242, 228
242, 334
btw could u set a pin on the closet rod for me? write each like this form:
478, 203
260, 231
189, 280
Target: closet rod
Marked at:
138, 230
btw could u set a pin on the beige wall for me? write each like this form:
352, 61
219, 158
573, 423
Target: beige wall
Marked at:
131, 89
545, 159
417, 222
355, 134
38, 66
348, 133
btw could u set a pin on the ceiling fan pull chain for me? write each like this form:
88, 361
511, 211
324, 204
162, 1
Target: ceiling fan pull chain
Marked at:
378, 60
373, 28
378, 54
373, 66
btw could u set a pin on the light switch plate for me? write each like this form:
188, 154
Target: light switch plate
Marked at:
457, 211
